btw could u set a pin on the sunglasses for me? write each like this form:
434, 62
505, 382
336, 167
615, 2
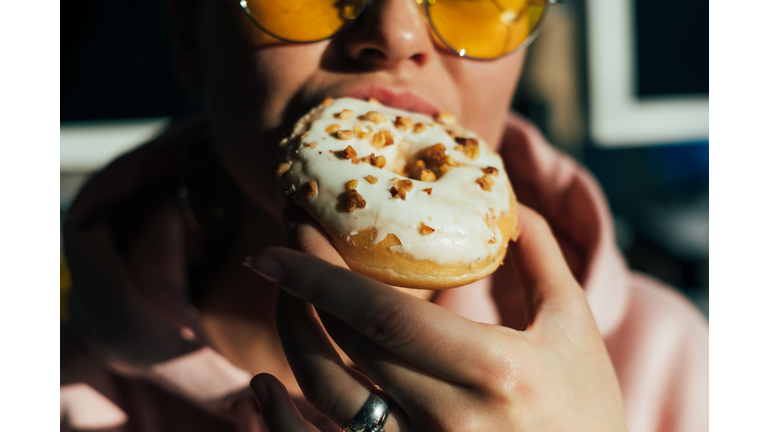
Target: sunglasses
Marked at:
476, 29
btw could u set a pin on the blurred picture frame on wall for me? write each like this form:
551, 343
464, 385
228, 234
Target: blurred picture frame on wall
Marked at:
647, 72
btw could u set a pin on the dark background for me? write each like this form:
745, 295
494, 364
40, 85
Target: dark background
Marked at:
672, 49
116, 61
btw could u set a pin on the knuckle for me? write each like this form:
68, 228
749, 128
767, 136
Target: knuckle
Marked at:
505, 373
346, 337
324, 392
390, 325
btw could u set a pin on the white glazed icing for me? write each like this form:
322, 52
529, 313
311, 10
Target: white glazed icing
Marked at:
457, 208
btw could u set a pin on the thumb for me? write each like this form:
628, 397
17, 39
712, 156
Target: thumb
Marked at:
306, 235
542, 269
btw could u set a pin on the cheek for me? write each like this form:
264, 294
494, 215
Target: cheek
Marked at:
249, 85
248, 77
486, 90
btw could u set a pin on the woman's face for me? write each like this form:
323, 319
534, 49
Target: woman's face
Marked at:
256, 87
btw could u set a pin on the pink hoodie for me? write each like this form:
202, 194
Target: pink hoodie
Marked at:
126, 368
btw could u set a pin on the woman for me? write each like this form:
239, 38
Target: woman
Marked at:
563, 337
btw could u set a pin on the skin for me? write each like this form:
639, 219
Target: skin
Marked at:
555, 375
440, 371
256, 90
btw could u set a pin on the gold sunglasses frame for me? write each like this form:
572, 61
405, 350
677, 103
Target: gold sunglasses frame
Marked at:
460, 52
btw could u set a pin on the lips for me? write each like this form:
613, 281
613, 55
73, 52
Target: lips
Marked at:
395, 98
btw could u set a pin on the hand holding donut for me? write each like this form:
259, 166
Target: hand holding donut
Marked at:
439, 371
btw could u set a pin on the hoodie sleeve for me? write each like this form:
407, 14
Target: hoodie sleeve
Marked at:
124, 240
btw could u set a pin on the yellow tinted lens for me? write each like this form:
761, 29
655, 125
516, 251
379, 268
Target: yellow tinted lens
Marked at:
485, 29
304, 20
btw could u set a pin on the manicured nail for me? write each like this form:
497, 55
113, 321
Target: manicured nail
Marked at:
269, 268
261, 392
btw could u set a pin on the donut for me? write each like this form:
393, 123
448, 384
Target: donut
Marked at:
408, 199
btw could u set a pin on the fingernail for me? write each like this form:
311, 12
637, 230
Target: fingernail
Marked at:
269, 268
292, 217
261, 392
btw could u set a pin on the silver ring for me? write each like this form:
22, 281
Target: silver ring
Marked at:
371, 417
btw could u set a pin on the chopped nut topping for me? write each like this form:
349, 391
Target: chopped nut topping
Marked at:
354, 200
469, 142
403, 123
444, 168
304, 135
332, 128
371, 179
436, 152
283, 168
363, 134
382, 138
428, 191
388, 138
355, 161
428, 176
309, 189
419, 165
374, 101
445, 118
405, 184
485, 182
379, 161
375, 117
450, 162
345, 135
345, 114
349, 153
472, 152
492, 171
327, 102
378, 141
350, 185
419, 128
425, 230
311, 145
400, 188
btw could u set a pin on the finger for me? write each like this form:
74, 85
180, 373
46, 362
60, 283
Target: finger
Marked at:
277, 408
419, 332
336, 391
406, 383
328, 384
306, 235
543, 271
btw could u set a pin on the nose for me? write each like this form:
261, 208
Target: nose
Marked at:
389, 34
